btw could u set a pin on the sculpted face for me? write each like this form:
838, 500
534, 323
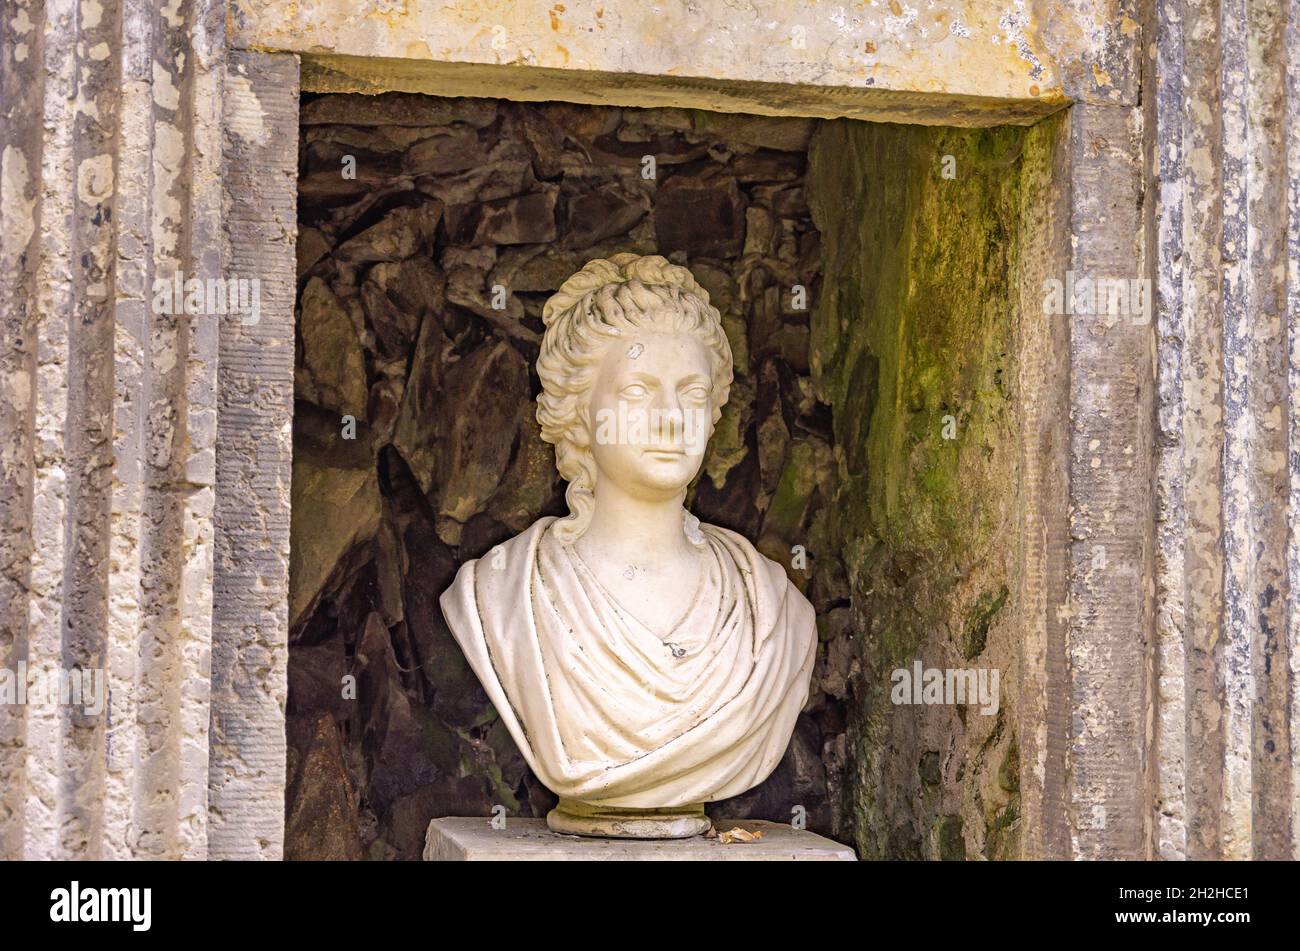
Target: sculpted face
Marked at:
651, 413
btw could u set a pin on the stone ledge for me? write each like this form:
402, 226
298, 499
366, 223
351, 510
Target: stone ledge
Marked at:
474, 840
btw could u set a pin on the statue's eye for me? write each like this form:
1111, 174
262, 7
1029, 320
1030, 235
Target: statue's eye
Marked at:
697, 392
634, 391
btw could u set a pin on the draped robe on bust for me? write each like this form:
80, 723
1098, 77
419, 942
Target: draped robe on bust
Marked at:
600, 707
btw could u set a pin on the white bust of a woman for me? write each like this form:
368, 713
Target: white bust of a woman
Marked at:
644, 663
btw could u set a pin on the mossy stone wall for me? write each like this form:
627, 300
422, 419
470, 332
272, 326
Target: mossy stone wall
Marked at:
914, 344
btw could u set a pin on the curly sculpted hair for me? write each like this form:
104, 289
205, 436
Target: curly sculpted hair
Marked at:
590, 311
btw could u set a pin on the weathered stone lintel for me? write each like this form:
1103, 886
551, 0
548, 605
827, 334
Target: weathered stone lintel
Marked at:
984, 48
332, 72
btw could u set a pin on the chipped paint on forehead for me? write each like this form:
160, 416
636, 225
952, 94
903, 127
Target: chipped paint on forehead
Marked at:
991, 49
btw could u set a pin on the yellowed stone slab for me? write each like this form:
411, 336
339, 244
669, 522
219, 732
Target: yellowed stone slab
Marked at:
977, 62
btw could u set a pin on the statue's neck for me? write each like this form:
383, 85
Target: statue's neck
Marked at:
627, 528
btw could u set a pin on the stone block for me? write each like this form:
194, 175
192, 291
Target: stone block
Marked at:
474, 840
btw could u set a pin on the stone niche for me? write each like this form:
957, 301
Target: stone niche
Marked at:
869, 280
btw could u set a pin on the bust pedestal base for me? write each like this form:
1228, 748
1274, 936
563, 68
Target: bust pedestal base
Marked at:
475, 840
571, 817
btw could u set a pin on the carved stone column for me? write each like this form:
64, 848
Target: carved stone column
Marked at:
111, 144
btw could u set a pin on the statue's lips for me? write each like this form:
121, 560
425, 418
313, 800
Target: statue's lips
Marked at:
672, 451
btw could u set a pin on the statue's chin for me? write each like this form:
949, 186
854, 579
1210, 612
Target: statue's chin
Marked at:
666, 490
571, 817
653, 474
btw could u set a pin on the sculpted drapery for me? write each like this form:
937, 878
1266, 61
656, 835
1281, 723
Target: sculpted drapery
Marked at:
607, 712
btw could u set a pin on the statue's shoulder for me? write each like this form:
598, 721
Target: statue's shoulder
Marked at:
523, 544
774, 590
517, 549
485, 584
744, 550
727, 535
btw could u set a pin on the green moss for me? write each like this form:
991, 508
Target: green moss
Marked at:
979, 620
794, 491
1002, 838
912, 322
1009, 771
952, 846
441, 745
501, 791
912, 342
928, 768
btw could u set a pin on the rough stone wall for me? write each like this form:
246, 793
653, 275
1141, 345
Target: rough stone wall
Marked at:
455, 202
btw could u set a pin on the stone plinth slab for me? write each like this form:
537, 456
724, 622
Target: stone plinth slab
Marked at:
474, 840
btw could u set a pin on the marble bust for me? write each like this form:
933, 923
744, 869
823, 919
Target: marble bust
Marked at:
644, 663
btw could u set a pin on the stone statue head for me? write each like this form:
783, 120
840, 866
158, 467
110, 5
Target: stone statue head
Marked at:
635, 369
